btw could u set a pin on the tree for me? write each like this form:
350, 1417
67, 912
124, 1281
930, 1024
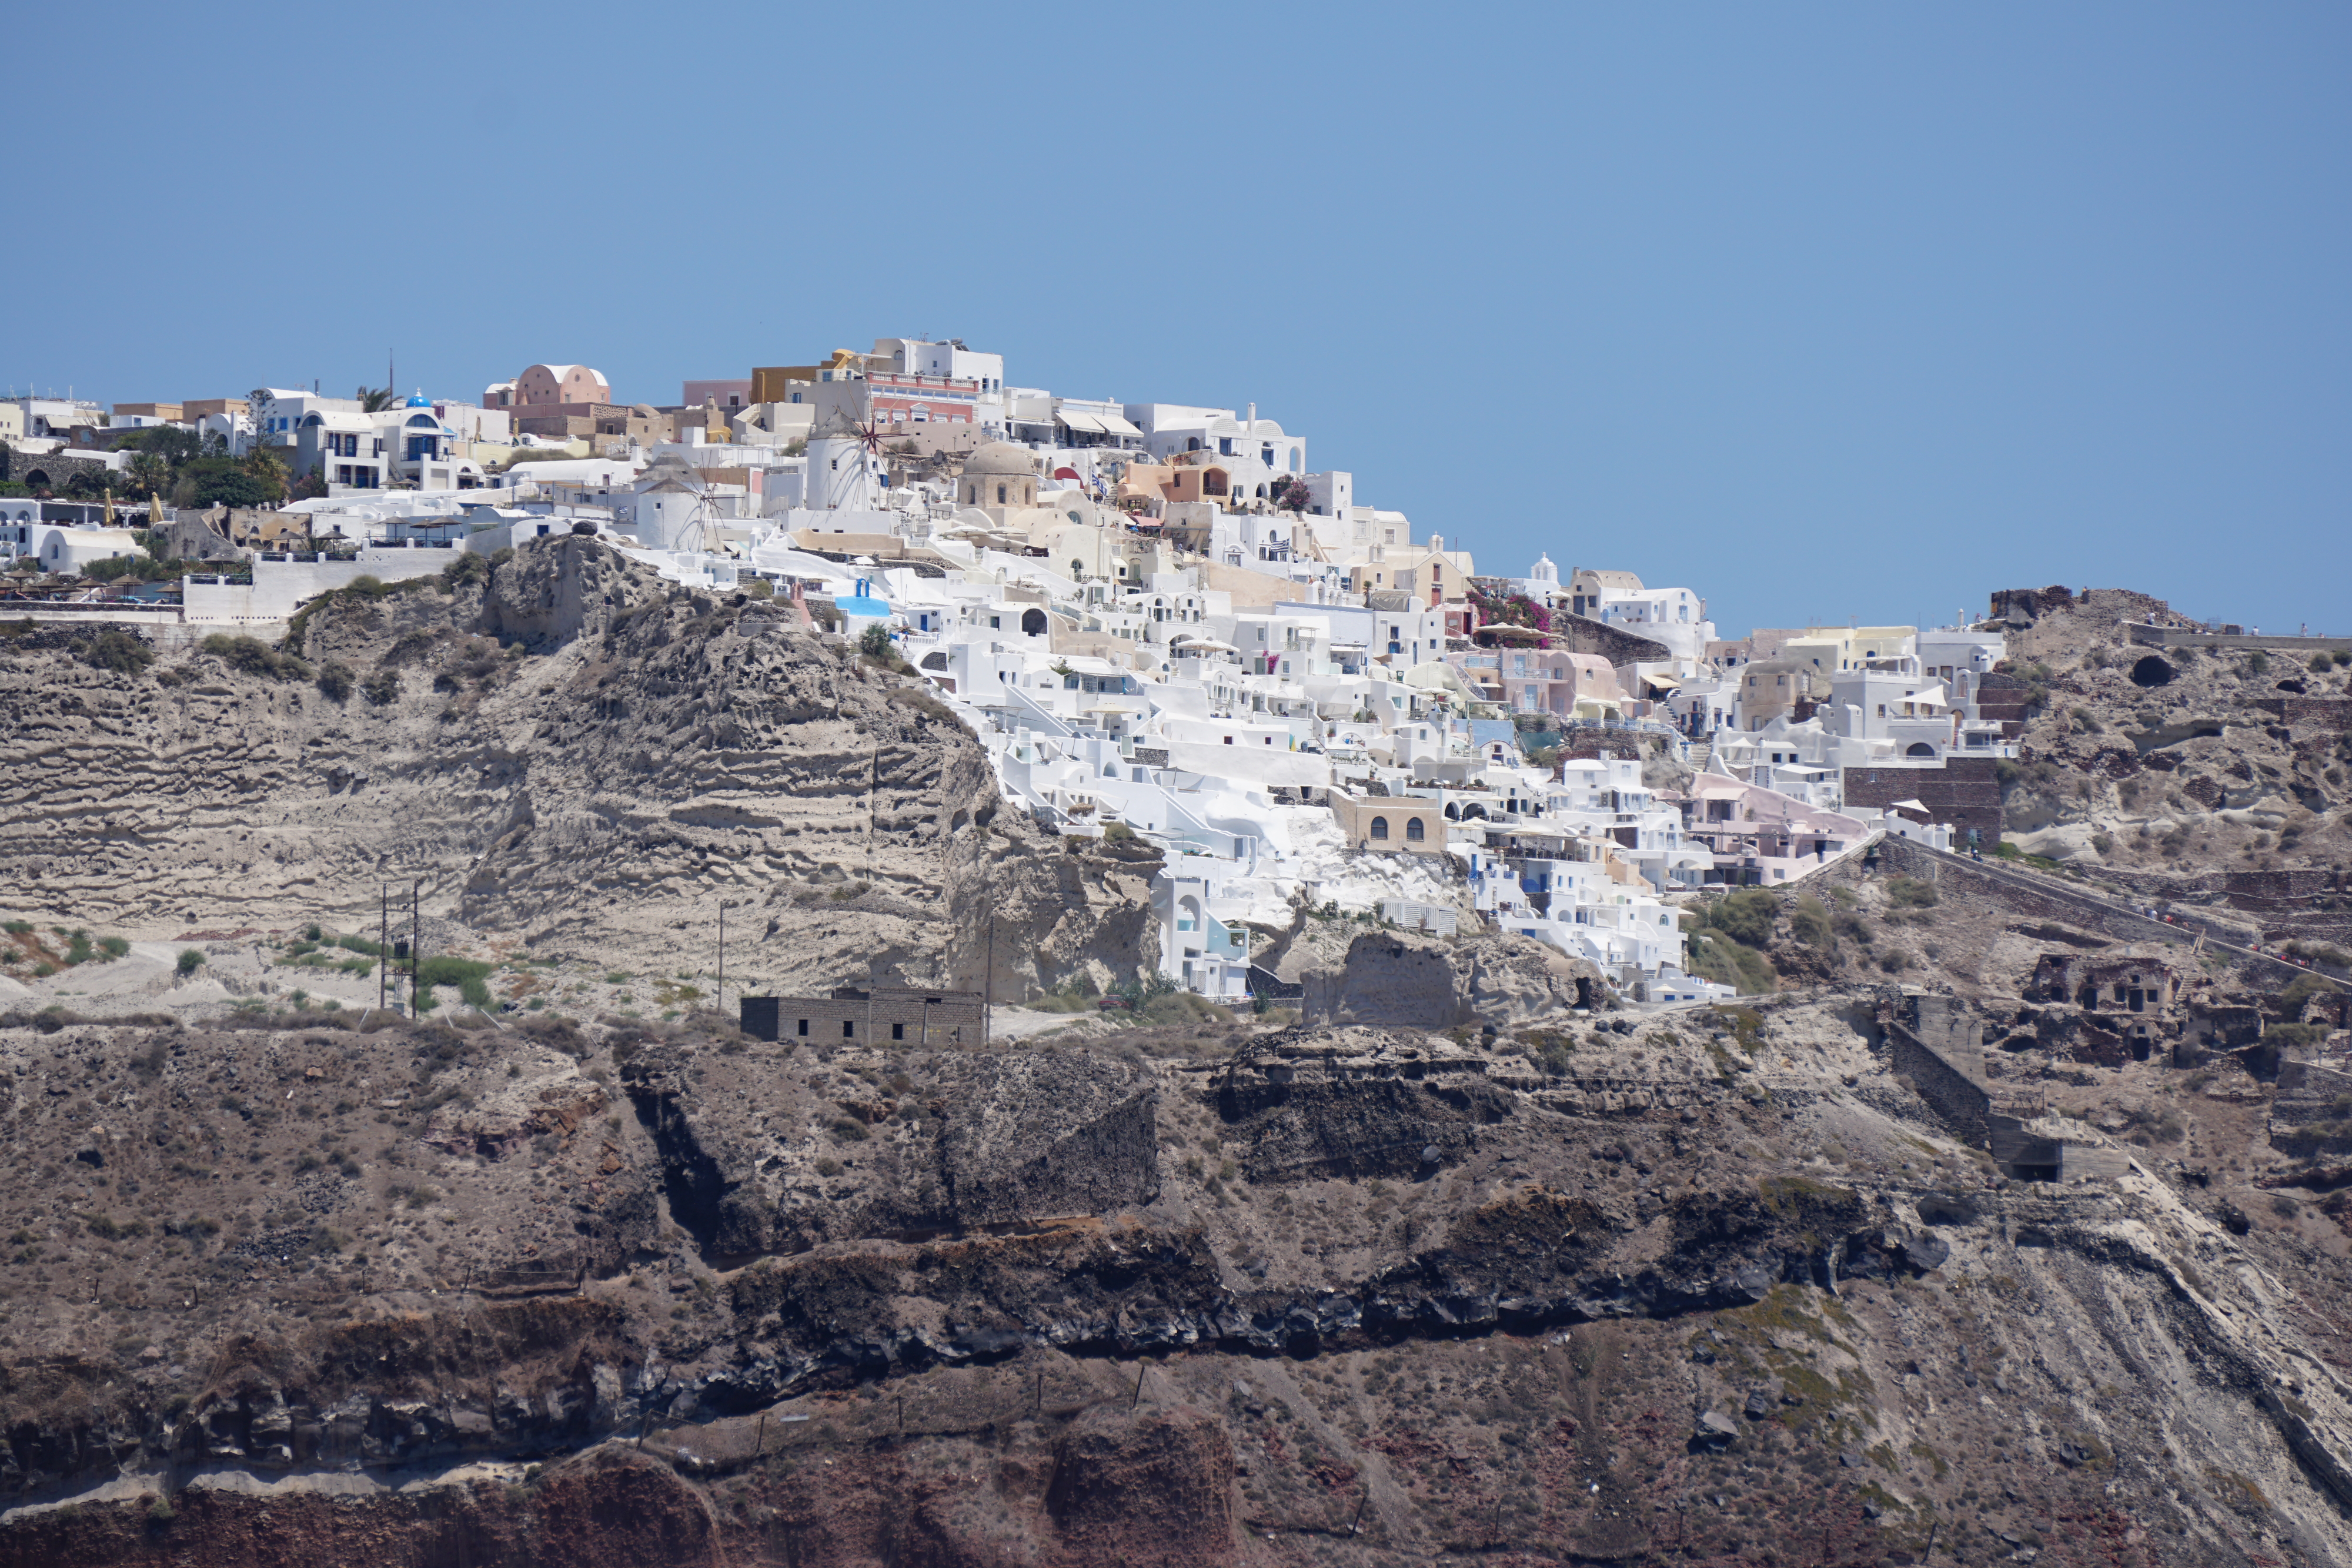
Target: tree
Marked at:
219, 482
173, 444
264, 467
148, 474
374, 400
82, 484
1292, 494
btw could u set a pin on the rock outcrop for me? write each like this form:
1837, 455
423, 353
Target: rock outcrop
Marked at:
1407, 978
563, 749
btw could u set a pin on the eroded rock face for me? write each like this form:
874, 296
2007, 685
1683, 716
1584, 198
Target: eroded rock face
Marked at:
757, 1162
567, 751
1039, 1134
1406, 978
1172, 1467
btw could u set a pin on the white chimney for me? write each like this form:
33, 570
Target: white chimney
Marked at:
1252, 427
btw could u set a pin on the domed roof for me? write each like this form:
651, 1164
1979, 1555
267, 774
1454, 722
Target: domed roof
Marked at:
1001, 458
420, 400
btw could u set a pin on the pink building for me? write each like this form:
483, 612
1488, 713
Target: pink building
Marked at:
547, 389
1544, 680
728, 395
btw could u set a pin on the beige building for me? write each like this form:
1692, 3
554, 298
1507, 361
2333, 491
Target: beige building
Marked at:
998, 478
1390, 822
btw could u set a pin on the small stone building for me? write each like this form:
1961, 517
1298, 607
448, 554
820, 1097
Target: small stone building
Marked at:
909, 1015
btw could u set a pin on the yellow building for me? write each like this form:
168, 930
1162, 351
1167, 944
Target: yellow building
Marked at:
1831, 648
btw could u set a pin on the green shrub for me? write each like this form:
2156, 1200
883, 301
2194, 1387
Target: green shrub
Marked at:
1809, 922
1909, 893
382, 688
124, 652
470, 976
113, 947
2298, 994
1745, 917
1712, 956
875, 643
191, 960
335, 682
250, 657
79, 949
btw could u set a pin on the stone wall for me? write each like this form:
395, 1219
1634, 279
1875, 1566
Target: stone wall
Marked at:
1407, 978
1582, 635
1964, 792
1934, 1043
2191, 637
30, 468
190, 536
2043, 898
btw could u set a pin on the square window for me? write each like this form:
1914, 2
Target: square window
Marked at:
898, 1031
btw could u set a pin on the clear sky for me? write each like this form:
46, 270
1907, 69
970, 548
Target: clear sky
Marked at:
1825, 311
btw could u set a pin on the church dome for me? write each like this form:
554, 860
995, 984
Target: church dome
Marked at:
1001, 458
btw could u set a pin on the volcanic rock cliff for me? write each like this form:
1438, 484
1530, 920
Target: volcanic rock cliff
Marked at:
1713, 1288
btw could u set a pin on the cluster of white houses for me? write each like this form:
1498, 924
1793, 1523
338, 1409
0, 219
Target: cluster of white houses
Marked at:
1162, 622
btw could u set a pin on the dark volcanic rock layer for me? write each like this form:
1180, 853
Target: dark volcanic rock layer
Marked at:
744, 1317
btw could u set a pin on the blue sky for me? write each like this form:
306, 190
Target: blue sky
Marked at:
1826, 311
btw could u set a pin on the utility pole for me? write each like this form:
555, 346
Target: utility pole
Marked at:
722, 957
382, 941
988, 984
415, 942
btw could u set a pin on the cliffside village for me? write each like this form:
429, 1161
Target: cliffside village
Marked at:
1160, 620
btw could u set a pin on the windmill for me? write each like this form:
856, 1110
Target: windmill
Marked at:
841, 438
678, 489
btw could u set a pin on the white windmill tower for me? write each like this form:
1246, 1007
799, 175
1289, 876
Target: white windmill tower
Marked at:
845, 472
674, 512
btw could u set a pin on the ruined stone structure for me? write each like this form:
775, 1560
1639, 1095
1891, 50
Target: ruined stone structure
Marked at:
1938, 1044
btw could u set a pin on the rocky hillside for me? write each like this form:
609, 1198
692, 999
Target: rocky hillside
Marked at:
573, 759
2182, 766
1713, 1288
1470, 1265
